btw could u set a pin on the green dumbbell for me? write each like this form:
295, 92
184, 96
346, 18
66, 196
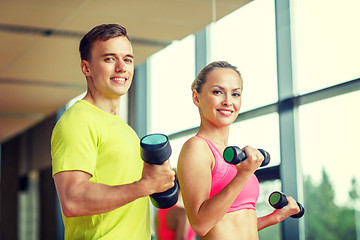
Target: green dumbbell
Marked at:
278, 200
235, 155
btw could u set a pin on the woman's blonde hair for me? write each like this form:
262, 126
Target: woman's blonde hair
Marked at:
201, 77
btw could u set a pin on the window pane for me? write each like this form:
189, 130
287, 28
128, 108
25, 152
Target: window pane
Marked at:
176, 145
261, 132
246, 39
172, 71
325, 43
329, 139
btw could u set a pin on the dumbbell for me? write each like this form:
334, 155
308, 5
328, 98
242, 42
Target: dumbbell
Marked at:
235, 155
156, 149
278, 200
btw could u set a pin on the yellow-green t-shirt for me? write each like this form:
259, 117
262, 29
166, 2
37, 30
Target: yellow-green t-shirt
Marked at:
88, 139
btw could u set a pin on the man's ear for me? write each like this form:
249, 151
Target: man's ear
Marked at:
85, 68
195, 97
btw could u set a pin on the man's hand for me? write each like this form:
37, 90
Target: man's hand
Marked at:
158, 178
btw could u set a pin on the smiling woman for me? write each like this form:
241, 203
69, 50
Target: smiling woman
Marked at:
221, 203
217, 93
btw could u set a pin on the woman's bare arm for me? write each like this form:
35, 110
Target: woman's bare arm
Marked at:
194, 169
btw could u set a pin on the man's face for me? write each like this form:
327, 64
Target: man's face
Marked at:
110, 69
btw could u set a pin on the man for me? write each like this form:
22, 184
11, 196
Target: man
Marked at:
102, 183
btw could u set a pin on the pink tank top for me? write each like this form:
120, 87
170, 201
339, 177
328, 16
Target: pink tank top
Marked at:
164, 232
223, 173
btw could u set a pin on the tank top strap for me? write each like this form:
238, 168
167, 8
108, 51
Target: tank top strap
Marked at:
219, 159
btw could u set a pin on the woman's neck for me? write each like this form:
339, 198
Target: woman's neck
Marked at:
217, 135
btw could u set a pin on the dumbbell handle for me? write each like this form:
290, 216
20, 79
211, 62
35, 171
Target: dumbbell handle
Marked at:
235, 155
278, 200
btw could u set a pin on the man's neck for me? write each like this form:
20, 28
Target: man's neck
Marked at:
111, 106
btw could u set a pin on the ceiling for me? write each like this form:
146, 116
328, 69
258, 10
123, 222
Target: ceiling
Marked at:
39, 59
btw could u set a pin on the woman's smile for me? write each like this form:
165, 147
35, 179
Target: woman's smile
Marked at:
225, 112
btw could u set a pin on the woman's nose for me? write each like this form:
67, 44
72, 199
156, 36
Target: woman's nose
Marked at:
227, 101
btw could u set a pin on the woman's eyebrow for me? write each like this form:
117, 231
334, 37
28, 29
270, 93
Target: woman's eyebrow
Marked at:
213, 86
235, 89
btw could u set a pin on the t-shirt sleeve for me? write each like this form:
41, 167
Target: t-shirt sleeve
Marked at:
73, 146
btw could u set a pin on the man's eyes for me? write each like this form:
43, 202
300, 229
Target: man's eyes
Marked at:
112, 59
109, 59
128, 60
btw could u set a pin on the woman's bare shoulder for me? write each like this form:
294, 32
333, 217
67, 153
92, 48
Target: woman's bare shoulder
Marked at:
196, 148
194, 143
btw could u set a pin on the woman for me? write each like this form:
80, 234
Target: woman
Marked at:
220, 198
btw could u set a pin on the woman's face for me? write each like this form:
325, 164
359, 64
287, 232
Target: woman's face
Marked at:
220, 98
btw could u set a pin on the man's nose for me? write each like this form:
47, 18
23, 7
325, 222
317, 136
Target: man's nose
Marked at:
120, 66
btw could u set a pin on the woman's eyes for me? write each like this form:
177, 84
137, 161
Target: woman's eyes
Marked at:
236, 94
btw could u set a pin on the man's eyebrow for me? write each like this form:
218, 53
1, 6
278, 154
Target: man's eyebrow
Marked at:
129, 55
114, 54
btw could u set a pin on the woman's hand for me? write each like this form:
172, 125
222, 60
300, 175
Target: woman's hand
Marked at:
290, 209
252, 162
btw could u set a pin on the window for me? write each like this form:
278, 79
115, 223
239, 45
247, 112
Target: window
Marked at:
172, 71
329, 133
325, 43
325, 52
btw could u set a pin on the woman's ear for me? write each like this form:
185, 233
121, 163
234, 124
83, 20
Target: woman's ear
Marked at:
85, 68
195, 97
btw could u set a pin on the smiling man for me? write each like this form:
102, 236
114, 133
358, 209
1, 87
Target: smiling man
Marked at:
102, 183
